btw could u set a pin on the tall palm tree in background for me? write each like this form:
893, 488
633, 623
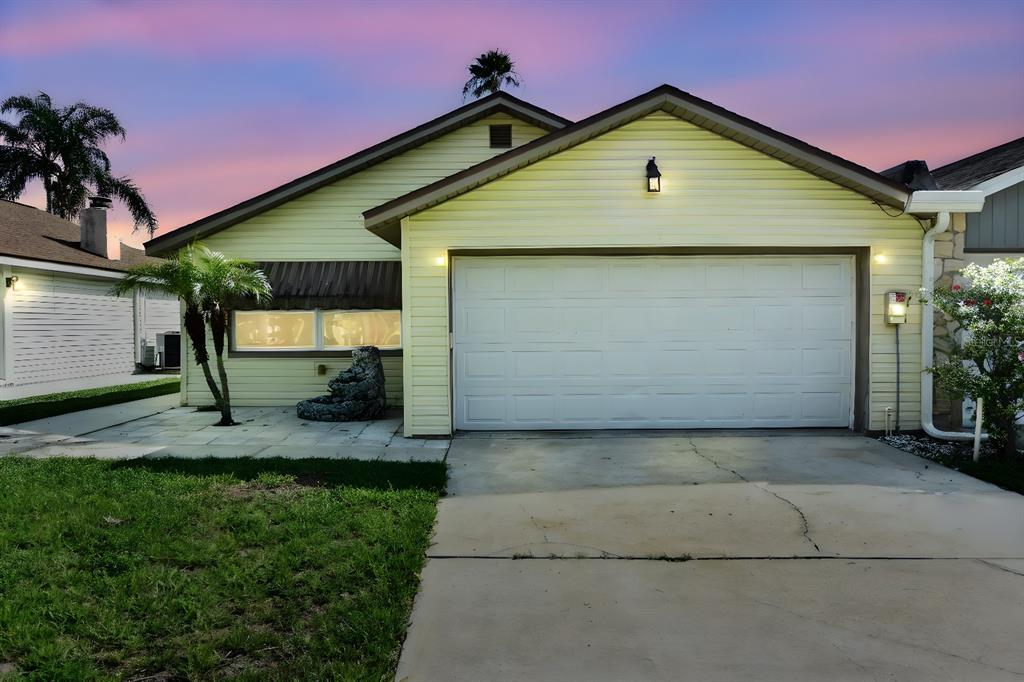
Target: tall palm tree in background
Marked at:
61, 147
207, 282
489, 72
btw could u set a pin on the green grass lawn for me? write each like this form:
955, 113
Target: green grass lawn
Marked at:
210, 569
52, 404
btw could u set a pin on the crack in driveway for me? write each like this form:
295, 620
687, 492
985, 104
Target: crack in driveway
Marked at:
805, 529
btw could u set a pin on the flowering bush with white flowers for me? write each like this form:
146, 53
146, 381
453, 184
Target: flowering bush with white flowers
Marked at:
988, 361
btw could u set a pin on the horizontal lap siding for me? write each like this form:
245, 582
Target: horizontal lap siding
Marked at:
327, 224
65, 327
281, 381
715, 193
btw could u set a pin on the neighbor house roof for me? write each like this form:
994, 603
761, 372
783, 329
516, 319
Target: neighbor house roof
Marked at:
384, 220
33, 234
982, 167
499, 102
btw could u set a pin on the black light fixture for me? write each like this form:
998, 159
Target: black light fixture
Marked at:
653, 176
12, 282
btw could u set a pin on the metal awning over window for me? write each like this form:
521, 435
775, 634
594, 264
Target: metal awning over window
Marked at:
348, 285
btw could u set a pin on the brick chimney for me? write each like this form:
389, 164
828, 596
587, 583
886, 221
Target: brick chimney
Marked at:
93, 221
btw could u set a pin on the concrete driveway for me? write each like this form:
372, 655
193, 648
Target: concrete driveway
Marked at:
716, 557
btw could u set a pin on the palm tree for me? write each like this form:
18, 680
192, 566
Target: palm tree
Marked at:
206, 282
489, 72
223, 281
61, 146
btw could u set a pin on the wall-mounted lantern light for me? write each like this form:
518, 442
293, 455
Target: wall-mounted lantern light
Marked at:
653, 176
12, 282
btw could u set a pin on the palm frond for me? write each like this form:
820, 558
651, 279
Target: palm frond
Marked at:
128, 193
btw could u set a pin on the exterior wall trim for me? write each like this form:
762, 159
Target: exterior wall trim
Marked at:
1001, 182
50, 266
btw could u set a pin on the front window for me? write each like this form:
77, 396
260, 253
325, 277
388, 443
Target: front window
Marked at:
275, 329
351, 328
306, 330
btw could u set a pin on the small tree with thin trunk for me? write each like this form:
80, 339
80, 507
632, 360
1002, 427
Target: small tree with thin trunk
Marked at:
206, 282
987, 361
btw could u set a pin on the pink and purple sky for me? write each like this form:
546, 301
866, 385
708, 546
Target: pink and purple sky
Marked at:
225, 100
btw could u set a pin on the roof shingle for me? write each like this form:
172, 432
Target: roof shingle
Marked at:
27, 232
977, 168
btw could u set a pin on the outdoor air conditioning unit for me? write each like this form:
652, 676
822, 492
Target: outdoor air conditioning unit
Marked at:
168, 349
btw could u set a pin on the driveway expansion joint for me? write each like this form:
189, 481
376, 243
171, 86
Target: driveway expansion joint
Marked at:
1004, 569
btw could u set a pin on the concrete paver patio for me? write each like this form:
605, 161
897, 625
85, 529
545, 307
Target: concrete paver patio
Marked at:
716, 557
157, 427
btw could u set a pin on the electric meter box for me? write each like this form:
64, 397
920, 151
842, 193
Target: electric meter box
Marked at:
896, 304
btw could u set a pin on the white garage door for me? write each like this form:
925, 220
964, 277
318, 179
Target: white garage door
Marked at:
652, 342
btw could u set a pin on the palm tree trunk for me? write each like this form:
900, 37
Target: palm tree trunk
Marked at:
195, 326
219, 326
217, 397
225, 405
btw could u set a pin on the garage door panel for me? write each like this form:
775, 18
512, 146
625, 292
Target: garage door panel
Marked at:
648, 342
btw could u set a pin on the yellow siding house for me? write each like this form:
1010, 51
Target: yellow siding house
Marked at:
665, 263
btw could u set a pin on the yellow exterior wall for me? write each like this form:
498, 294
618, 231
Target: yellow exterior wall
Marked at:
715, 192
327, 224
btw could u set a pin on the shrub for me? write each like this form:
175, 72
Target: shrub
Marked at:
988, 361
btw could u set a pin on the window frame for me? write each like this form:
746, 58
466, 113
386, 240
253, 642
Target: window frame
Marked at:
320, 350
264, 349
322, 312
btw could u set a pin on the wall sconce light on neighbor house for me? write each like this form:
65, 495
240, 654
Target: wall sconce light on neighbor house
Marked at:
896, 303
12, 282
440, 260
653, 176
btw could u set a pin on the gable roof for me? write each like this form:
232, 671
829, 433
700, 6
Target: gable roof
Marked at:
384, 220
30, 233
969, 172
499, 102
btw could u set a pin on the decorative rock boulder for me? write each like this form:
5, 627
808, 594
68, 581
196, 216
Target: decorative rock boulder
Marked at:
357, 393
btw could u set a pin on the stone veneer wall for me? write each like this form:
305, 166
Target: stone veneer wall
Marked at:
949, 258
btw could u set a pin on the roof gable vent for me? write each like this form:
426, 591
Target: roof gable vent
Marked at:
501, 136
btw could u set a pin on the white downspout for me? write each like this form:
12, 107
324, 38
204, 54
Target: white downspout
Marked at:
940, 225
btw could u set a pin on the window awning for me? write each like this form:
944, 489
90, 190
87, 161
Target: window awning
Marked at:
352, 284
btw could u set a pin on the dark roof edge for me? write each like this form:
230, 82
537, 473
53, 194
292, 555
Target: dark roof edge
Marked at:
58, 261
655, 99
977, 156
499, 102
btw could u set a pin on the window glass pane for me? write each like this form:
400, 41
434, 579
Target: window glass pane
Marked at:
256, 329
347, 329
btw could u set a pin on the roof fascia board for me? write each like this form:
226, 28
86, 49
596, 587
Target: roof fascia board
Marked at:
787, 148
952, 201
1001, 182
50, 266
384, 150
377, 219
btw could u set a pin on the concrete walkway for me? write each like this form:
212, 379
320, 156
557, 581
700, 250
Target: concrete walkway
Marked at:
784, 557
158, 427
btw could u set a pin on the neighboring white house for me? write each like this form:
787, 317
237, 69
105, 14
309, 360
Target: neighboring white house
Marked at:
60, 329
